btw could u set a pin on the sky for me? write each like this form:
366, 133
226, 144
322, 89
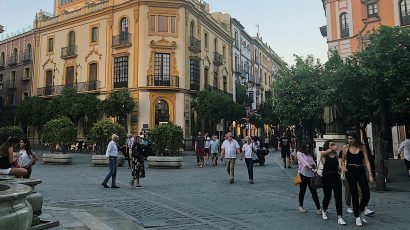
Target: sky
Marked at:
289, 27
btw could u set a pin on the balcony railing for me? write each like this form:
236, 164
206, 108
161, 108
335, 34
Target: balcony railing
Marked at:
11, 84
80, 87
172, 81
13, 60
195, 87
27, 56
405, 20
194, 45
218, 59
213, 88
122, 40
69, 52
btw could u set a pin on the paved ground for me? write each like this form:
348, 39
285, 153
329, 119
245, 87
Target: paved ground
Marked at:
201, 198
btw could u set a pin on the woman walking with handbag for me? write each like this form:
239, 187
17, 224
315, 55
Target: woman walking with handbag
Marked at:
306, 167
356, 159
331, 180
249, 149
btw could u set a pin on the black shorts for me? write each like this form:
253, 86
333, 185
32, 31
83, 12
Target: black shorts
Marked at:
285, 154
407, 163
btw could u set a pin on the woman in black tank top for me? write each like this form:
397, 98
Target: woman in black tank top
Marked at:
355, 158
331, 180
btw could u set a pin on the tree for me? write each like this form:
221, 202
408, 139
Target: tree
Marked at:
10, 131
101, 134
167, 140
119, 104
241, 95
61, 131
297, 96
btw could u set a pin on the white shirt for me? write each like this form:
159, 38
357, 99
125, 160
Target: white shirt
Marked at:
230, 148
405, 145
207, 141
112, 150
23, 158
130, 142
247, 149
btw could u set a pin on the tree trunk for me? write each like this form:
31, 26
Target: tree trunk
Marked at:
379, 158
368, 149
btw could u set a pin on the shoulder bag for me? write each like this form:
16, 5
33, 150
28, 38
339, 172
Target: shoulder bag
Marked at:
297, 179
316, 181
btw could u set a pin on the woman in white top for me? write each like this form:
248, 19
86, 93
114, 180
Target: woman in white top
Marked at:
26, 158
248, 149
207, 142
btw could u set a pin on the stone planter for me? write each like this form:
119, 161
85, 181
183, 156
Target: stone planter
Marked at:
101, 160
165, 162
61, 159
15, 211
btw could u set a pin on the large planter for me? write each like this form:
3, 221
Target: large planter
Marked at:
101, 160
53, 158
165, 162
15, 211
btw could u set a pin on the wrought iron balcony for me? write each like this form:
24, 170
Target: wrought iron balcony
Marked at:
13, 60
122, 40
69, 52
194, 45
405, 20
195, 87
81, 87
27, 56
218, 59
88, 86
162, 81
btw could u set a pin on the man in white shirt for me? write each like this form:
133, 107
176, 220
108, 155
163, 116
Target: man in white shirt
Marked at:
112, 154
230, 148
405, 147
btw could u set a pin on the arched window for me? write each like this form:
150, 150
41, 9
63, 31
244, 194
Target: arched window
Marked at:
161, 112
28, 49
94, 34
71, 38
344, 25
405, 12
124, 27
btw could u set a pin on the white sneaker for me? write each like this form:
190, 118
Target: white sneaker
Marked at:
359, 222
324, 215
363, 219
349, 210
341, 221
319, 211
368, 212
301, 209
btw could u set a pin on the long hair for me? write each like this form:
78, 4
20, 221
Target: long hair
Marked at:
28, 146
357, 142
326, 145
303, 148
6, 145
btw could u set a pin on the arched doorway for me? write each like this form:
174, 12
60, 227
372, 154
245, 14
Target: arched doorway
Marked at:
161, 112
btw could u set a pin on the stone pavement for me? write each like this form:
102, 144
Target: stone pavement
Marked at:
201, 198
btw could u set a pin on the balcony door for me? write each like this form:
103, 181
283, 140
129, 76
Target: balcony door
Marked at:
162, 69
69, 76
49, 82
161, 112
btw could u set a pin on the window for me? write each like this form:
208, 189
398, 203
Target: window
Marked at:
206, 75
162, 69
192, 29
69, 76
236, 63
216, 44
121, 72
405, 12
224, 52
71, 38
162, 24
92, 77
206, 40
344, 26
123, 26
1, 81
26, 74
372, 10
194, 74
62, 2
225, 83
2, 59
94, 34
10, 99
14, 54
25, 95
251, 96
216, 82
50, 45
236, 39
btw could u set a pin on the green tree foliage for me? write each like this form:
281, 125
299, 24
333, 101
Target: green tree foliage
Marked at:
10, 131
167, 140
101, 134
119, 104
297, 96
241, 95
61, 131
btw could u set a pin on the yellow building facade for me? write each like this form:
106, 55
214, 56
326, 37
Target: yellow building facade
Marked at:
162, 52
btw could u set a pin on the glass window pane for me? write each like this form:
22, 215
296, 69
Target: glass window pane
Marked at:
94, 34
173, 25
163, 24
152, 23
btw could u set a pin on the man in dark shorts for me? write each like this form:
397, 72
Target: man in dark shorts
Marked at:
285, 143
200, 149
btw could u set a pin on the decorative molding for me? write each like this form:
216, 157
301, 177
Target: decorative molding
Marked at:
163, 44
136, 14
93, 51
49, 60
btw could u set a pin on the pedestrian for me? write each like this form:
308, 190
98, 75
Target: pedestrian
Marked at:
285, 144
230, 148
200, 149
249, 150
128, 149
207, 141
6, 159
405, 148
355, 156
112, 154
214, 147
138, 169
306, 169
331, 180
26, 157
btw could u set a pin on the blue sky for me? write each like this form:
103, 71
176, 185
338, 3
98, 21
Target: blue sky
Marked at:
289, 27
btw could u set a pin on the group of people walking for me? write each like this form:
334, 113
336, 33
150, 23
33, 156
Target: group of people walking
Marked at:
348, 167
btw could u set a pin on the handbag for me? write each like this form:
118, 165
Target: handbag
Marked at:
297, 179
316, 181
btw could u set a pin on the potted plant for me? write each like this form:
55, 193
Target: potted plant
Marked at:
59, 133
167, 143
100, 134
